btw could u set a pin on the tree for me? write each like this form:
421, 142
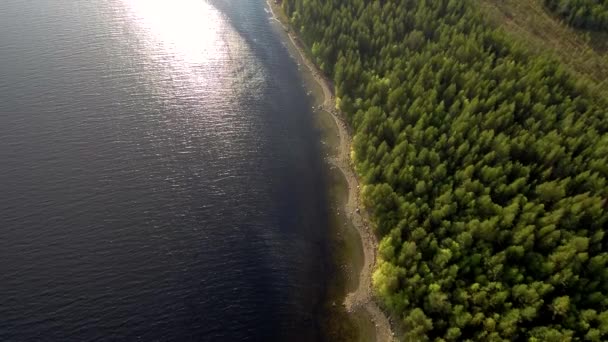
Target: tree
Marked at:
483, 167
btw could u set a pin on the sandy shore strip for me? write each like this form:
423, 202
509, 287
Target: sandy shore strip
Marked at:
362, 296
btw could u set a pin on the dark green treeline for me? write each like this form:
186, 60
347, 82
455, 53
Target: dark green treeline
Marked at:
485, 170
585, 14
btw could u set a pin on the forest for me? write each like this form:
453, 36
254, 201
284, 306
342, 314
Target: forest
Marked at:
484, 170
584, 14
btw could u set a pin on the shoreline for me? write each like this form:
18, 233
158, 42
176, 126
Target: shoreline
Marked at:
362, 297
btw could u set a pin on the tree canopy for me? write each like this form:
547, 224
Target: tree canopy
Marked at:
585, 14
484, 168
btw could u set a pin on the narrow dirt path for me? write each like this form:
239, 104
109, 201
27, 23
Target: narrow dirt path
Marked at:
362, 296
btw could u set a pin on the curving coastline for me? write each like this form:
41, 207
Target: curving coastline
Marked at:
362, 297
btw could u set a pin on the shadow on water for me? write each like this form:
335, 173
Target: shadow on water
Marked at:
340, 255
306, 181
346, 251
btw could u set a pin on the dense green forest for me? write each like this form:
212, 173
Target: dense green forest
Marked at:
484, 167
586, 14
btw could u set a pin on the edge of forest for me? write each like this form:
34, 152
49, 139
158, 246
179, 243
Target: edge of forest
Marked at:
484, 166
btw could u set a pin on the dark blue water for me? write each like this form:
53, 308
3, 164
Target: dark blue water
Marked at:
159, 174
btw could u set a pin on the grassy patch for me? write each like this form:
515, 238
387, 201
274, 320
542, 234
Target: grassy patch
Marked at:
528, 21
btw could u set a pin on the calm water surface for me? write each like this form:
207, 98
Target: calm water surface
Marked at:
159, 174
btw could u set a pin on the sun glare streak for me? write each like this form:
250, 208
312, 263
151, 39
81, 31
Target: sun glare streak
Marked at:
188, 29
200, 56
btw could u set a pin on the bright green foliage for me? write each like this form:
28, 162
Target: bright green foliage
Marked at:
484, 168
586, 14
